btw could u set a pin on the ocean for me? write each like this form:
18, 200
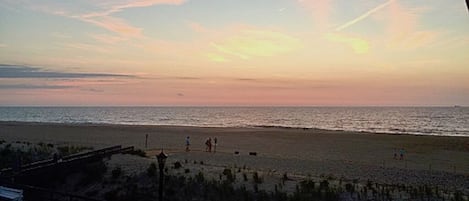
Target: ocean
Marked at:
448, 121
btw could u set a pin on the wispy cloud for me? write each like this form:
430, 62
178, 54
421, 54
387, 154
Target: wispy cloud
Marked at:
400, 25
87, 47
115, 25
363, 16
2, 45
92, 90
358, 45
403, 28
101, 13
33, 86
106, 38
20, 71
321, 11
216, 57
116, 6
185, 78
249, 43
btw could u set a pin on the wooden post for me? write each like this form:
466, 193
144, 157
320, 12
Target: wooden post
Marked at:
160, 192
146, 141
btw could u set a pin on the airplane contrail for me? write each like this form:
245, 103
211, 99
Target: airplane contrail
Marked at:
365, 15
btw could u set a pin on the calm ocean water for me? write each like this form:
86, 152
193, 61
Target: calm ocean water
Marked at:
404, 120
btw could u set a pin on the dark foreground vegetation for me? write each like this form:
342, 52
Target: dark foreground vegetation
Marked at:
98, 181
17, 153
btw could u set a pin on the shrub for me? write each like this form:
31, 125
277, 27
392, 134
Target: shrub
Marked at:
245, 177
69, 150
151, 171
177, 165
324, 184
349, 187
138, 152
111, 195
116, 172
285, 177
92, 193
229, 176
93, 172
200, 177
257, 179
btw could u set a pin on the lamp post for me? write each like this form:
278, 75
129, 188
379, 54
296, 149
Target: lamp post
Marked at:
161, 162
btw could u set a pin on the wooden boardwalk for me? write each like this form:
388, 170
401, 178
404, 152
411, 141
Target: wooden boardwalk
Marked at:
67, 161
15, 177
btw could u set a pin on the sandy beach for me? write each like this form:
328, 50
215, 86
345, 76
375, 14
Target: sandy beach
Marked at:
436, 160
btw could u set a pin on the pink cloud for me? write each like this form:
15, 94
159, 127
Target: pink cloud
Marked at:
102, 16
321, 11
401, 20
115, 25
403, 28
105, 20
116, 6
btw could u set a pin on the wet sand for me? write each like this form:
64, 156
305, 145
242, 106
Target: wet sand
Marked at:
354, 155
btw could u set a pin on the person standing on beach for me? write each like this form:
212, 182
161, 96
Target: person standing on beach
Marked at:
187, 143
209, 145
402, 152
206, 145
215, 145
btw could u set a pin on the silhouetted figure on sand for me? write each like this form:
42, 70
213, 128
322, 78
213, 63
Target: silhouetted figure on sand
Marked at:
208, 144
215, 145
402, 152
188, 143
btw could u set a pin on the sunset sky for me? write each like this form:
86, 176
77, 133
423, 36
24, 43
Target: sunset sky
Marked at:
227, 52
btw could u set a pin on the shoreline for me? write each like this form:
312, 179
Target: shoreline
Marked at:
228, 127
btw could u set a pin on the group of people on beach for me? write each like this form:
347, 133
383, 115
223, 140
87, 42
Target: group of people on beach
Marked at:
208, 144
401, 154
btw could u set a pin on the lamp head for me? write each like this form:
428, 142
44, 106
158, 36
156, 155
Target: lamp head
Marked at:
161, 158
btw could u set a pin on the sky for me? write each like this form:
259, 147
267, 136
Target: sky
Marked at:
234, 53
